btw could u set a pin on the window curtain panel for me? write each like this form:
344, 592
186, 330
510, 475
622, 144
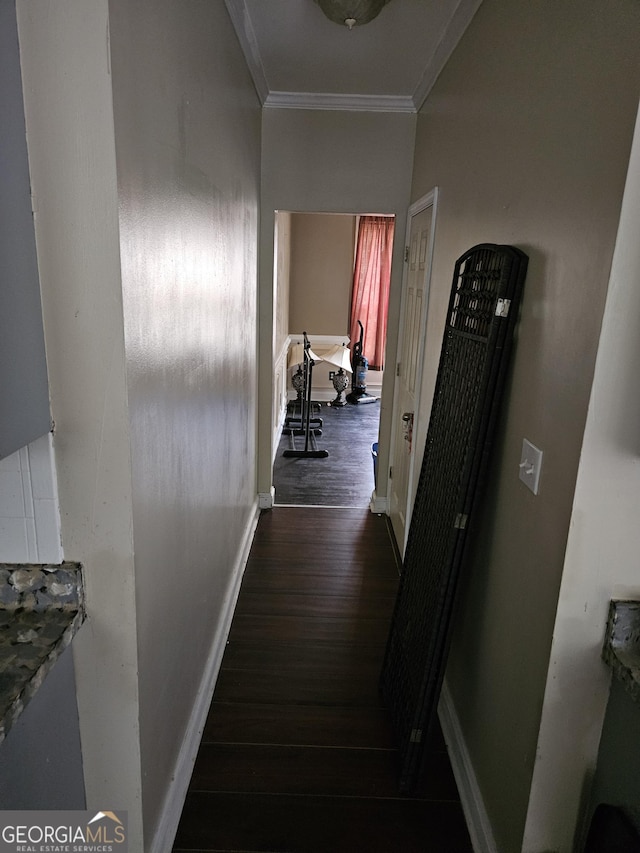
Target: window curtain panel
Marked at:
371, 279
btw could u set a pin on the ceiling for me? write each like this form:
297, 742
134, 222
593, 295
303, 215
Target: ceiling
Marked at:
300, 59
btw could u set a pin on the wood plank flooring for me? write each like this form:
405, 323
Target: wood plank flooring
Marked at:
297, 754
345, 477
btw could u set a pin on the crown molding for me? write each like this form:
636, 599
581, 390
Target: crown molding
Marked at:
246, 36
243, 27
330, 101
459, 22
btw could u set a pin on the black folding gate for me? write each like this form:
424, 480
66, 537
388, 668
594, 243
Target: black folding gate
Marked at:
483, 308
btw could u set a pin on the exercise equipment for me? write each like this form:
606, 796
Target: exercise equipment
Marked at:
305, 425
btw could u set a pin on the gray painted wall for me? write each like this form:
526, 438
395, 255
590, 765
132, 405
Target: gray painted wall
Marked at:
188, 159
41, 760
601, 560
24, 389
148, 271
617, 776
529, 146
69, 118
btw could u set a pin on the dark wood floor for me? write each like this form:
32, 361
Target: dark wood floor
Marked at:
345, 476
297, 754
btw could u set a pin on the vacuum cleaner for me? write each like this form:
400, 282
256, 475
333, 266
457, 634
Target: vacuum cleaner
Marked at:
360, 365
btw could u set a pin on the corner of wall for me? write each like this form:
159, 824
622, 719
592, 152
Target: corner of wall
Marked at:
29, 509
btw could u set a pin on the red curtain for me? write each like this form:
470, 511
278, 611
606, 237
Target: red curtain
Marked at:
370, 294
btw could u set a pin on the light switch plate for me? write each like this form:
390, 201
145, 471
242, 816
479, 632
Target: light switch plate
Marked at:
530, 465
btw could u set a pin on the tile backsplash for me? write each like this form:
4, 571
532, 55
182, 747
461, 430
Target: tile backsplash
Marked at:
29, 510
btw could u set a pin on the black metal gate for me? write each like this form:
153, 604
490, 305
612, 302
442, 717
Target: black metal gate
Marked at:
483, 308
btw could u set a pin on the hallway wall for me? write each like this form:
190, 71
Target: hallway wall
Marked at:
188, 161
70, 136
149, 275
527, 133
601, 560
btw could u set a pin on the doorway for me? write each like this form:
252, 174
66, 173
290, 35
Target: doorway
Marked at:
412, 399
314, 256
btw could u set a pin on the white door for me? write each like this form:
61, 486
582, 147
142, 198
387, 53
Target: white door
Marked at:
405, 456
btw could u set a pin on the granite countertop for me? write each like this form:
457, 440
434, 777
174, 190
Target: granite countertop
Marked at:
622, 644
41, 609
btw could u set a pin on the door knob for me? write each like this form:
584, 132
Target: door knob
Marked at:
407, 427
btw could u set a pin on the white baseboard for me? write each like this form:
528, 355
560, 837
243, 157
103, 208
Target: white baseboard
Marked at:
266, 500
478, 822
379, 504
177, 792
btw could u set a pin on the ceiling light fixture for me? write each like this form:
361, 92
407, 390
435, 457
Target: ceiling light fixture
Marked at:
351, 13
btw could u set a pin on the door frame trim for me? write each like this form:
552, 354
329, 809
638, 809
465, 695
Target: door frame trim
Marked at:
430, 199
